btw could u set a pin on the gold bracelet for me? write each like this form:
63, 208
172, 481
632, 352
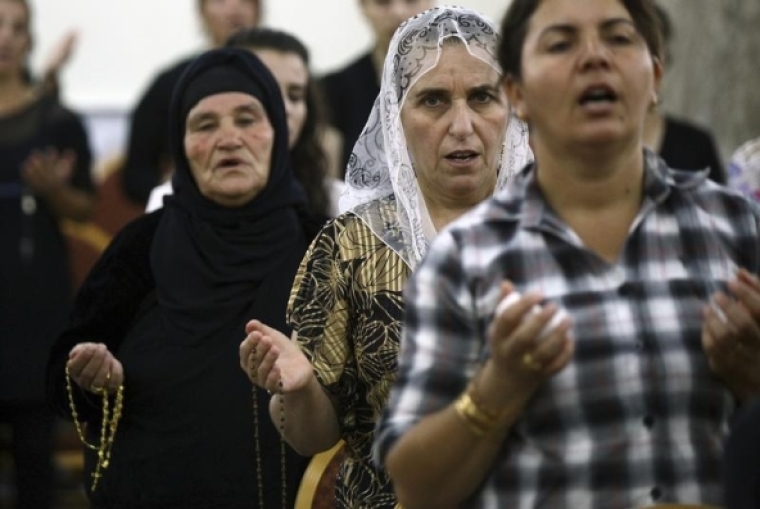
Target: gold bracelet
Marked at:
477, 419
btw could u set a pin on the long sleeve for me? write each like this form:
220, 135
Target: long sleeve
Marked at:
104, 309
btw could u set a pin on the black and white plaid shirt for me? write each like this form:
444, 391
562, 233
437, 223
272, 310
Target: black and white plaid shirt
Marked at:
637, 417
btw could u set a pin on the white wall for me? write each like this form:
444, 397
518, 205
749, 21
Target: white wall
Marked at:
122, 43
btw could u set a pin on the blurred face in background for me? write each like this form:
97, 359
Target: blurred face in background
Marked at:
384, 16
222, 18
15, 40
293, 77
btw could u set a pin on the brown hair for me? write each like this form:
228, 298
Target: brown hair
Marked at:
514, 29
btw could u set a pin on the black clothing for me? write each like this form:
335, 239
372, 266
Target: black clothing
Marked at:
688, 147
148, 151
350, 94
35, 282
186, 435
170, 298
742, 469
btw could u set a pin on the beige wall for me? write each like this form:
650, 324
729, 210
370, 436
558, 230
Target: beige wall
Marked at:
714, 78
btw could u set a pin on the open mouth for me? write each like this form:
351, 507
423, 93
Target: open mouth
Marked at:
229, 162
598, 95
462, 156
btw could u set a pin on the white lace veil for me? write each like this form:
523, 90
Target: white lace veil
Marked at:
380, 165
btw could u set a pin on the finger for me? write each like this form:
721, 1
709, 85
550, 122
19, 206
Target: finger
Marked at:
117, 375
269, 372
253, 325
551, 346
564, 357
749, 278
510, 319
748, 295
91, 369
247, 346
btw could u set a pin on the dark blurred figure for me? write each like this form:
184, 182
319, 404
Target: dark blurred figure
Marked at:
148, 161
44, 178
681, 144
742, 470
351, 91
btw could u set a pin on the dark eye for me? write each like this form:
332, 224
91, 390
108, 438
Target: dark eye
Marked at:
246, 120
559, 47
482, 96
432, 101
621, 39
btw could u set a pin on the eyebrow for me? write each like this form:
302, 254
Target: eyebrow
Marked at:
568, 28
205, 114
486, 87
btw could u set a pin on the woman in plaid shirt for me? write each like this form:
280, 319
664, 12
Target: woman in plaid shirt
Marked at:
625, 402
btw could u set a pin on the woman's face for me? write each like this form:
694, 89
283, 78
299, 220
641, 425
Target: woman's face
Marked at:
14, 36
228, 144
293, 77
222, 18
455, 119
588, 77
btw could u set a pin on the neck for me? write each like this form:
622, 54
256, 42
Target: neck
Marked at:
592, 180
441, 213
654, 130
13, 92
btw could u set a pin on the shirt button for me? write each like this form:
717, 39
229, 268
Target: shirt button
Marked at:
649, 422
656, 493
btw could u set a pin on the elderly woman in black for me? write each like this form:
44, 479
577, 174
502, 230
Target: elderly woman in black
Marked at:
146, 359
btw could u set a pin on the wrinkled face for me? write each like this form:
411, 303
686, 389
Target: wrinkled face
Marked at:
384, 16
228, 144
455, 119
14, 36
588, 77
293, 77
222, 18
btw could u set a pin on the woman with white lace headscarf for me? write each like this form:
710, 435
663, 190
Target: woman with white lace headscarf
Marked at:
439, 140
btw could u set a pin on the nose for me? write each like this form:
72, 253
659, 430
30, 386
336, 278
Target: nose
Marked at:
461, 120
594, 53
229, 137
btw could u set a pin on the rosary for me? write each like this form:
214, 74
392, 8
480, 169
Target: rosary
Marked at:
257, 443
107, 427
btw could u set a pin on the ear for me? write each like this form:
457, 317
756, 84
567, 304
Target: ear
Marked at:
513, 89
657, 71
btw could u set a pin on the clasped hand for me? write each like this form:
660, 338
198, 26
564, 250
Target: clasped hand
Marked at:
94, 368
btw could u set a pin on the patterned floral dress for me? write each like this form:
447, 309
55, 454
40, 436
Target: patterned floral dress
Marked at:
347, 307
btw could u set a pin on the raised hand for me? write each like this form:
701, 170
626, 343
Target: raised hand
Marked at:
272, 361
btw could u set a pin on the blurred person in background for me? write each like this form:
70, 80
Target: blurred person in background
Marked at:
350, 92
683, 145
45, 164
148, 159
744, 169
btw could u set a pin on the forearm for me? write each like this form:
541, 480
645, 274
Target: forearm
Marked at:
70, 203
443, 459
307, 419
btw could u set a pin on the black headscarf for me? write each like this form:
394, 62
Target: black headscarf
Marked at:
210, 261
